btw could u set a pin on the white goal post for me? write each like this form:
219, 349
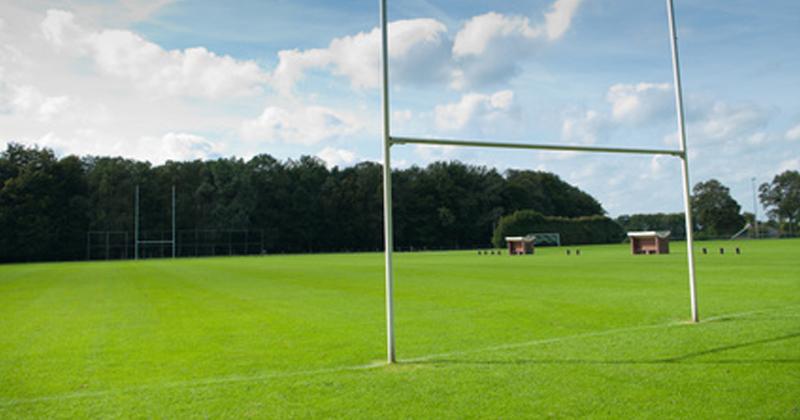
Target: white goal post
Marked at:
389, 141
546, 238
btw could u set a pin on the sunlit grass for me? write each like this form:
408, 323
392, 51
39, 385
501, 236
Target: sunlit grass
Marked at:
601, 334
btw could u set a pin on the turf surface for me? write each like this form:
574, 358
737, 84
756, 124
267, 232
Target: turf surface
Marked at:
603, 334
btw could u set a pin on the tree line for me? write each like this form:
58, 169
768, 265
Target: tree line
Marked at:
717, 215
48, 204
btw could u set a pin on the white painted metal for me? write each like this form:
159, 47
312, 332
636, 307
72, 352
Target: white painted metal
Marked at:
552, 147
687, 203
136, 226
387, 189
388, 141
755, 206
173, 221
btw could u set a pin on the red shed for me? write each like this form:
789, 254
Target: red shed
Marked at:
652, 242
520, 245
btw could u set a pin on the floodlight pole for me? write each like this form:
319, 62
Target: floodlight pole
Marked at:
173, 221
755, 206
387, 188
687, 203
136, 226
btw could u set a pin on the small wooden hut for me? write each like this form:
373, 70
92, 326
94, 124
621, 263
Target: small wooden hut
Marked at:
520, 245
651, 242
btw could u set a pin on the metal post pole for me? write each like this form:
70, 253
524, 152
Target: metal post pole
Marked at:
136, 227
687, 204
755, 206
387, 188
173, 221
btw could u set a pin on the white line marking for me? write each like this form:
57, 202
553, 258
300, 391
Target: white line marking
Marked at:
223, 380
588, 334
220, 380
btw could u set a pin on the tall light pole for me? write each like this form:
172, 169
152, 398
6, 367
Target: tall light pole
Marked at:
755, 206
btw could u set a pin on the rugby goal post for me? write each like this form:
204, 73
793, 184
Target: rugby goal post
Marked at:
389, 141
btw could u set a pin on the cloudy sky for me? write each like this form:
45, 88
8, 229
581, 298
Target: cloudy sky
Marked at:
170, 79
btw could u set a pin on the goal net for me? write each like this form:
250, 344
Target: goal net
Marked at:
547, 239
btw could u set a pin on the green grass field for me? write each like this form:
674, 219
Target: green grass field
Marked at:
599, 335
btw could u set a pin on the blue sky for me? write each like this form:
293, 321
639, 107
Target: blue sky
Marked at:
163, 79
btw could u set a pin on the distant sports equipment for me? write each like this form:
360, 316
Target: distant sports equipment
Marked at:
547, 239
159, 243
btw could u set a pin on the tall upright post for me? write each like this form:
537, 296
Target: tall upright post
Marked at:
136, 226
755, 206
687, 203
173, 221
387, 188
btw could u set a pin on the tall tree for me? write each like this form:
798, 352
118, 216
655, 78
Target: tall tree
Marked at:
781, 198
47, 205
42, 205
716, 211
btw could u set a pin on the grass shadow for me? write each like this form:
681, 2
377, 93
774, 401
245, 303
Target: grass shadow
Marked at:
684, 358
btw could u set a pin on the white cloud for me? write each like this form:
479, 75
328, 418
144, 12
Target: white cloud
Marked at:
793, 133
585, 128
155, 149
639, 103
58, 26
489, 48
52, 106
480, 32
559, 18
417, 52
486, 50
29, 102
185, 146
337, 157
474, 110
299, 124
125, 54
722, 121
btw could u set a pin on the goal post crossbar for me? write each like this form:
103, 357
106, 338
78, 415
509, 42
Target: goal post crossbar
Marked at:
393, 140
389, 141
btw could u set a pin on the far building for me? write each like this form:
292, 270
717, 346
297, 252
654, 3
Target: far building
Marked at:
651, 242
520, 245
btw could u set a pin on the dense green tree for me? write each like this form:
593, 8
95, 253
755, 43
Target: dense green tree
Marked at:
673, 222
42, 205
48, 205
716, 212
781, 198
578, 230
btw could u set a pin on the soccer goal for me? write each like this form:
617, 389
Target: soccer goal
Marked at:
546, 239
389, 140
145, 245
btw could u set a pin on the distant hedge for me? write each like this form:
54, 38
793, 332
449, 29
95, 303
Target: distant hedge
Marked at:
579, 230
